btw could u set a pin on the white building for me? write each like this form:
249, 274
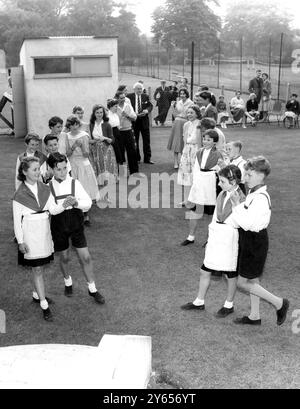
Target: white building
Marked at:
61, 72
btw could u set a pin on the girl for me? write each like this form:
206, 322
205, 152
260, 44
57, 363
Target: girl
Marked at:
203, 190
221, 253
252, 109
31, 204
253, 217
101, 150
79, 112
208, 102
192, 141
222, 112
175, 142
32, 141
114, 122
79, 159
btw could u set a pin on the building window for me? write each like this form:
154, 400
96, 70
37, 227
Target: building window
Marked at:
79, 66
51, 65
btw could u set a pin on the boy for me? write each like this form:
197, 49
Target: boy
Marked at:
32, 141
51, 144
69, 224
233, 150
253, 217
56, 125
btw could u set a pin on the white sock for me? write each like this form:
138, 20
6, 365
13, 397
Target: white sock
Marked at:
228, 304
92, 287
198, 302
35, 295
44, 304
191, 238
68, 281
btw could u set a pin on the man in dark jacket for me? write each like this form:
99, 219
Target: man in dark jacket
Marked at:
142, 107
256, 85
163, 98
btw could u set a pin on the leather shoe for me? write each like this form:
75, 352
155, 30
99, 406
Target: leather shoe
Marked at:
49, 301
150, 162
223, 312
156, 122
186, 242
68, 290
190, 306
97, 297
247, 320
47, 314
281, 313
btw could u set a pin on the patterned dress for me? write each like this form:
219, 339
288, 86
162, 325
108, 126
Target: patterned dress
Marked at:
175, 142
81, 166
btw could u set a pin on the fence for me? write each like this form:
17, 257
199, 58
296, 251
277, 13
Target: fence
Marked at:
216, 72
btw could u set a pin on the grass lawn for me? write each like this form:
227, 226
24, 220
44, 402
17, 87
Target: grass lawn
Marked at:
146, 275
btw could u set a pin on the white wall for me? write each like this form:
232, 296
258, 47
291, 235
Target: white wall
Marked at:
46, 97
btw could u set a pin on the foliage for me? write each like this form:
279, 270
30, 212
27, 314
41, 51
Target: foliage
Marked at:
36, 18
257, 22
177, 25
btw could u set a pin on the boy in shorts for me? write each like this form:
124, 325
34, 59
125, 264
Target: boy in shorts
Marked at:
69, 224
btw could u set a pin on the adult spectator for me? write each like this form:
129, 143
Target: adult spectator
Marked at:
127, 141
142, 107
238, 108
252, 109
256, 86
123, 88
208, 102
292, 110
266, 96
222, 112
163, 97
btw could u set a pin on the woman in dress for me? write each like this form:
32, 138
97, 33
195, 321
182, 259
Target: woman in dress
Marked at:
192, 143
102, 153
32, 203
79, 159
238, 109
175, 142
266, 96
79, 112
114, 121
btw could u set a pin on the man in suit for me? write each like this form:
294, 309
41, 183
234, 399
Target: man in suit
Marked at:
256, 85
163, 97
142, 107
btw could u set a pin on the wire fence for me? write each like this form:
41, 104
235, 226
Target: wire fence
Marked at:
216, 71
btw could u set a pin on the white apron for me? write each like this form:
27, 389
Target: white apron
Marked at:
221, 251
203, 190
37, 236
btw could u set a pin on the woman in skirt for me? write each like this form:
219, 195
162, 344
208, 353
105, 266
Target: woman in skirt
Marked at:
192, 143
253, 217
221, 253
175, 142
32, 203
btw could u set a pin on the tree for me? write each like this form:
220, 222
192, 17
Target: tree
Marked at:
257, 22
178, 23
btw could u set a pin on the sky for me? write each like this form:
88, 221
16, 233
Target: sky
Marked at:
144, 8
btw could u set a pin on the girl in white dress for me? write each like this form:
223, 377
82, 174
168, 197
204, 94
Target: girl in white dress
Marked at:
192, 143
32, 203
79, 159
221, 253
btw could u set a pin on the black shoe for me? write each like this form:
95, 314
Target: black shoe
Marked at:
223, 312
68, 290
47, 314
150, 162
191, 306
186, 242
246, 320
49, 301
156, 121
97, 297
281, 313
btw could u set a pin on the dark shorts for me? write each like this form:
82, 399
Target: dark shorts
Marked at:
217, 273
253, 250
65, 226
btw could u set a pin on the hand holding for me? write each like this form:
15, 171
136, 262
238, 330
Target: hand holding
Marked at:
235, 198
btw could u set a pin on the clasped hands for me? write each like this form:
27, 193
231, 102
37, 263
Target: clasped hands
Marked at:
70, 201
235, 198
